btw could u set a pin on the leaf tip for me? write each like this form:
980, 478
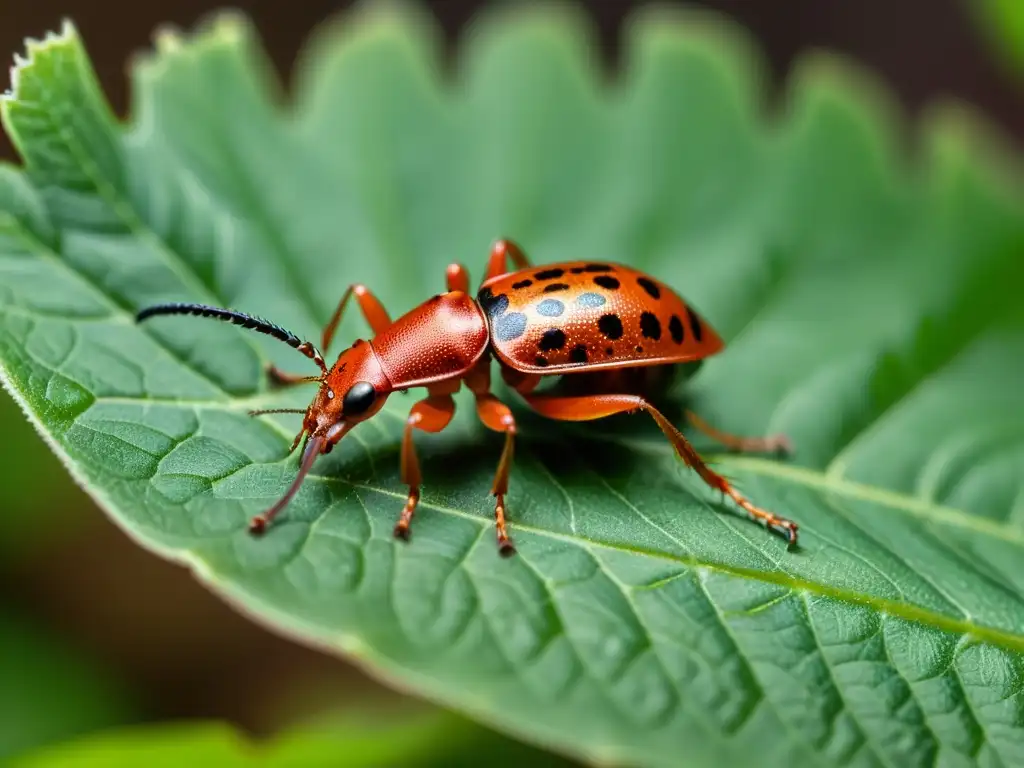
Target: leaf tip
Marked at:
956, 133
167, 40
33, 48
230, 27
226, 27
68, 28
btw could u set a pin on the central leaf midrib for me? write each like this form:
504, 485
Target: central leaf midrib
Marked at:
997, 637
910, 612
798, 475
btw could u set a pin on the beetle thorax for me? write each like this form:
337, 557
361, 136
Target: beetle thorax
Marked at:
440, 339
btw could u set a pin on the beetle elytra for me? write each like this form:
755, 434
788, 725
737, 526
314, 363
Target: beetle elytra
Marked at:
602, 328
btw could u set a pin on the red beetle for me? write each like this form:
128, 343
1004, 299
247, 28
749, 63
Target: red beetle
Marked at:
608, 326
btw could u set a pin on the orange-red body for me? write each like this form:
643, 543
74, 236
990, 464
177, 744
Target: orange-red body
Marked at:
608, 329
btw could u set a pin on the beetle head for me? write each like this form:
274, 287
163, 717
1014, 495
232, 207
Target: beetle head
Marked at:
352, 391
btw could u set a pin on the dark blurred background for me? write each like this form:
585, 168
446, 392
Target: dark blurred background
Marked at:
96, 631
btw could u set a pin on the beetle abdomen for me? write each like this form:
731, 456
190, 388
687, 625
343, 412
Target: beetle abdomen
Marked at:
581, 315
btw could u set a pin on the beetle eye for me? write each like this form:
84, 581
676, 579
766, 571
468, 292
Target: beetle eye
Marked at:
358, 399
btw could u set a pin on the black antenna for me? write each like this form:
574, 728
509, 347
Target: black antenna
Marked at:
264, 411
238, 318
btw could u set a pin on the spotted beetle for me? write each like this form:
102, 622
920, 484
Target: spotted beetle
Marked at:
605, 329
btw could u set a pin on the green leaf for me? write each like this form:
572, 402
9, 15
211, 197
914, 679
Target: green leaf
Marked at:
869, 297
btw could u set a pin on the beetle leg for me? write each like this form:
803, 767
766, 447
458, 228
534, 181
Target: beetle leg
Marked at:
281, 378
771, 444
521, 382
497, 416
372, 310
599, 406
370, 305
432, 414
457, 278
501, 253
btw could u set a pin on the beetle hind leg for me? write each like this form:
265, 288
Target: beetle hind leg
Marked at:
591, 407
777, 444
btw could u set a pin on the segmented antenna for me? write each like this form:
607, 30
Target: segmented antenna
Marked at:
264, 411
238, 318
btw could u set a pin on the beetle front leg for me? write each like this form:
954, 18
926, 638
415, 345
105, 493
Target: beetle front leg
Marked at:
369, 305
373, 312
431, 414
457, 278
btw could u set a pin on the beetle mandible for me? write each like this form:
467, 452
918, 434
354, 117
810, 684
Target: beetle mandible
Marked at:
606, 329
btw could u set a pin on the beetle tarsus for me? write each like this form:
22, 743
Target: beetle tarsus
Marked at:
505, 546
781, 446
785, 528
258, 525
402, 526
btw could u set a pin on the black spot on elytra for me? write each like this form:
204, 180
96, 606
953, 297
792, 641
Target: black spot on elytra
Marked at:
592, 268
510, 326
578, 354
522, 284
541, 360
695, 324
609, 351
551, 308
549, 274
675, 327
607, 281
649, 285
638, 349
649, 326
551, 339
610, 326
493, 305
555, 287
590, 299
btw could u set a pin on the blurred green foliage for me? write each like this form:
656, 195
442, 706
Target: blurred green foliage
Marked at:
434, 740
37, 495
1003, 22
49, 692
